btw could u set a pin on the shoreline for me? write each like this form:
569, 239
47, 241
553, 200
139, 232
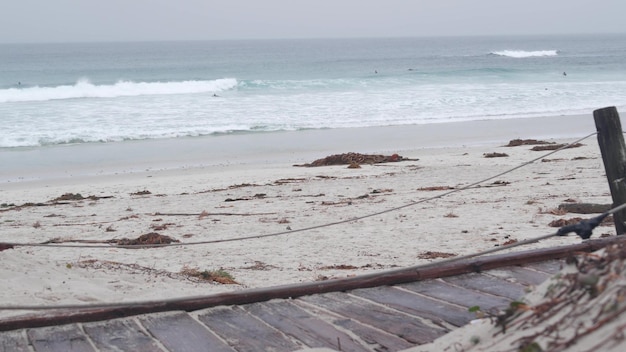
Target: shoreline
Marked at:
110, 159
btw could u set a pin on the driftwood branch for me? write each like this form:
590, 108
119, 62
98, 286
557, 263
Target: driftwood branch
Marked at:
585, 208
203, 214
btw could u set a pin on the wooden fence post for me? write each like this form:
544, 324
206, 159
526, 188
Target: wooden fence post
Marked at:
611, 141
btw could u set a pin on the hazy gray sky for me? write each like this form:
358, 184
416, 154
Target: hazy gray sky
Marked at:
131, 20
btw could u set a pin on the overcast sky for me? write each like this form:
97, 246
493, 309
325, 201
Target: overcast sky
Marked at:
135, 20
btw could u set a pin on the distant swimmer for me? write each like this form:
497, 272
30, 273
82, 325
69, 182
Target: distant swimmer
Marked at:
215, 95
375, 71
564, 73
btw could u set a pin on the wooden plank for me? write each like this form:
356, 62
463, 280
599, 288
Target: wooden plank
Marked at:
458, 295
59, 339
120, 335
412, 329
14, 341
298, 323
179, 332
436, 311
374, 337
526, 277
489, 284
549, 267
245, 332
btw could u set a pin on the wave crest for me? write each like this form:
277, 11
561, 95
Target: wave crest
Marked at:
85, 89
524, 54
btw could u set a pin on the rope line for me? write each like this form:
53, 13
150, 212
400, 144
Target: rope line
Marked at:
315, 227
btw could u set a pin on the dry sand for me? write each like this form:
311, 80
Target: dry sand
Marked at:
250, 188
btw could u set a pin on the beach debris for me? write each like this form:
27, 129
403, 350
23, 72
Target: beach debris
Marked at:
283, 181
204, 214
228, 188
518, 142
383, 190
61, 200
150, 238
69, 196
356, 159
608, 221
338, 267
509, 241
161, 227
557, 211
435, 188
256, 196
495, 155
145, 192
261, 266
435, 255
541, 148
564, 222
585, 208
220, 276
498, 183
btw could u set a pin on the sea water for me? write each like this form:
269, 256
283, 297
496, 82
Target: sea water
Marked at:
78, 93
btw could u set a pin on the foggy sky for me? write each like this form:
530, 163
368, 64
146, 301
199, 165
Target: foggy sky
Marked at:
138, 20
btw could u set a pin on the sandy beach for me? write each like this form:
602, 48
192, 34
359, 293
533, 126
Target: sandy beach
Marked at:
235, 186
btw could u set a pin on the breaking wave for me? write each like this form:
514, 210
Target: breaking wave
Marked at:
524, 54
85, 89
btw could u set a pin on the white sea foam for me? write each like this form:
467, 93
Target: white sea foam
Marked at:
523, 54
85, 89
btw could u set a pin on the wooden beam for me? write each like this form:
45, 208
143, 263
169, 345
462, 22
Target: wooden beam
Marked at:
611, 142
390, 277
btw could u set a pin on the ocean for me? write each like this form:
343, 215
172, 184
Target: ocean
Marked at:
84, 93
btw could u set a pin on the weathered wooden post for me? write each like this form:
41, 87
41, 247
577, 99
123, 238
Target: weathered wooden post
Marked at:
611, 141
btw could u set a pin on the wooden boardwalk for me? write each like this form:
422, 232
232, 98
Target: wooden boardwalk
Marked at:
388, 317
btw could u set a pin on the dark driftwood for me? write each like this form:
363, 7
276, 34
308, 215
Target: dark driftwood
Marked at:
391, 277
585, 208
611, 141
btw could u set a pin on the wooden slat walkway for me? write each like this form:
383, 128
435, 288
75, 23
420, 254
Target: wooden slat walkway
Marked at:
388, 317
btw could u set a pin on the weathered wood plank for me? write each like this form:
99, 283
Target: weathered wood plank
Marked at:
436, 311
489, 284
374, 337
296, 322
521, 275
62, 338
14, 341
179, 332
244, 332
458, 295
413, 330
550, 267
120, 335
